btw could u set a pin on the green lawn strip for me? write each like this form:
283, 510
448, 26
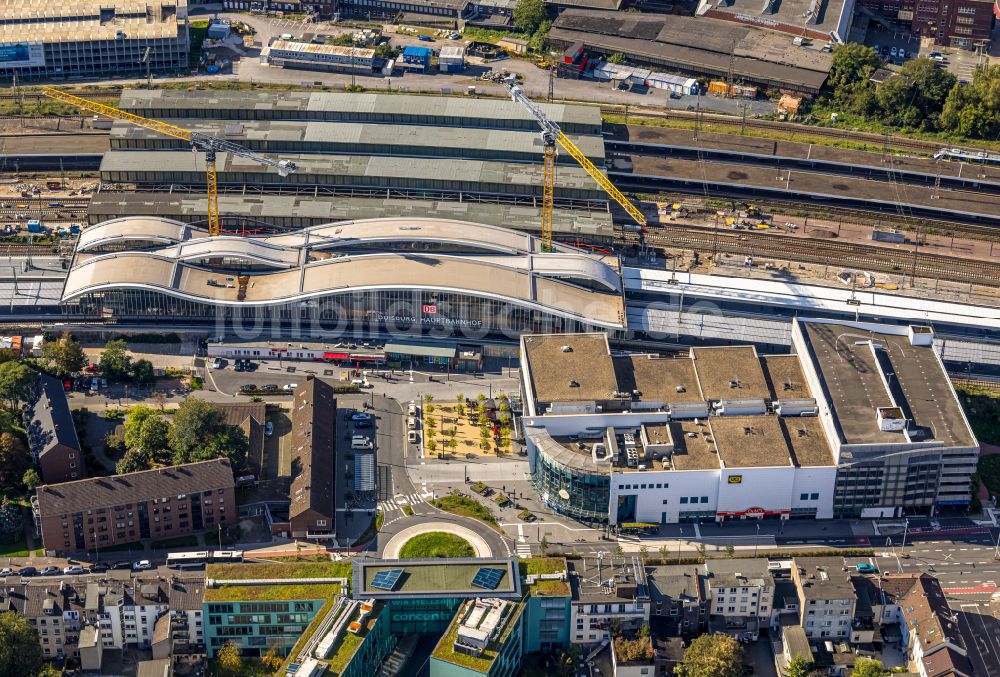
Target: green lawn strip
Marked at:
16, 549
436, 544
271, 593
466, 507
372, 529
175, 542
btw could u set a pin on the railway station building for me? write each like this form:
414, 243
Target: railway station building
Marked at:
387, 277
860, 421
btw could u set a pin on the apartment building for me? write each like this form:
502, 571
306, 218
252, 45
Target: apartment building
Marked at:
741, 596
826, 596
677, 599
606, 593
313, 447
959, 23
52, 438
153, 504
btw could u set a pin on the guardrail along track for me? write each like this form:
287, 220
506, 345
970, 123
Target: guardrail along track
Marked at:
841, 254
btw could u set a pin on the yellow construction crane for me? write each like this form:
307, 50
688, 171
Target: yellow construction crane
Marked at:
209, 145
551, 135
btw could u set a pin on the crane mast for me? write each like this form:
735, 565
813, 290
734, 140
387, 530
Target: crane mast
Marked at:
209, 145
552, 135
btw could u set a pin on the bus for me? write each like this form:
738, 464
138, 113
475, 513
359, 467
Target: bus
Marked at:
196, 560
188, 560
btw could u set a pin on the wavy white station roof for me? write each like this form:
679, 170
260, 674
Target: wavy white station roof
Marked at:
178, 260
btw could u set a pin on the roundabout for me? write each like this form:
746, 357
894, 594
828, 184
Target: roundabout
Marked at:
436, 544
430, 539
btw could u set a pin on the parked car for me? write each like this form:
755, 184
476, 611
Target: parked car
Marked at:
361, 416
50, 571
425, 38
6, 571
27, 572
290, 386
455, 36
892, 52
268, 428
238, 366
866, 568
411, 423
122, 564
74, 569
411, 409
142, 565
98, 568
412, 437
936, 56
217, 363
270, 387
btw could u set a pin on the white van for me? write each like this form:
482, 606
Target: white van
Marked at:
413, 437
411, 423
411, 410
361, 442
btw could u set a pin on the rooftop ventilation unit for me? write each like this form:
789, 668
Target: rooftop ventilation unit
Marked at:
574, 384
734, 383
681, 389
567, 349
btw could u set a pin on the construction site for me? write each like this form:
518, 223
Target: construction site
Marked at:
706, 200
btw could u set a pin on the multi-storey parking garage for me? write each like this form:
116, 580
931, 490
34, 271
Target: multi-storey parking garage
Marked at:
446, 278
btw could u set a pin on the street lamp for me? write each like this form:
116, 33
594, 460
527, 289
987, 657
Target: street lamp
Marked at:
756, 538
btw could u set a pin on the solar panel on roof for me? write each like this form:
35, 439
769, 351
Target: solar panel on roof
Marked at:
487, 578
386, 580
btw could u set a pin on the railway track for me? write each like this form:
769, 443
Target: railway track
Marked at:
859, 217
842, 254
867, 138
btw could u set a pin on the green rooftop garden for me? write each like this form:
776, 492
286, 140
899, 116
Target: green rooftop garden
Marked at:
271, 593
349, 642
549, 589
542, 565
445, 649
279, 570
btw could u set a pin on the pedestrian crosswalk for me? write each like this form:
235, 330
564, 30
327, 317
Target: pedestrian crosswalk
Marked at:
399, 500
523, 550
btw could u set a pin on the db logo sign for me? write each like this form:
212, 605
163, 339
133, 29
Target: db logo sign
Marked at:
430, 309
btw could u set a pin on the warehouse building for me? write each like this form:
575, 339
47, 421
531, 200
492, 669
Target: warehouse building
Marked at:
699, 46
306, 55
725, 433
44, 39
363, 138
402, 109
433, 177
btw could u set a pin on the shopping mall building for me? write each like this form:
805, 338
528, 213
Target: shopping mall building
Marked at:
426, 277
861, 420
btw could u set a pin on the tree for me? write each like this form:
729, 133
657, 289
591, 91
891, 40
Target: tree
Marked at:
868, 667
851, 62
229, 658
272, 660
31, 480
973, 110
716, 655
617, 58
536, 42
135, 417
230, 443
64, 356
543, 545
115, 363
798, 667
134, 460
529, 14
701, 550
730, 550
152, 436
196, 422
20, 653
14, 460
664, 552
143, 373
16, 381
11, 522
